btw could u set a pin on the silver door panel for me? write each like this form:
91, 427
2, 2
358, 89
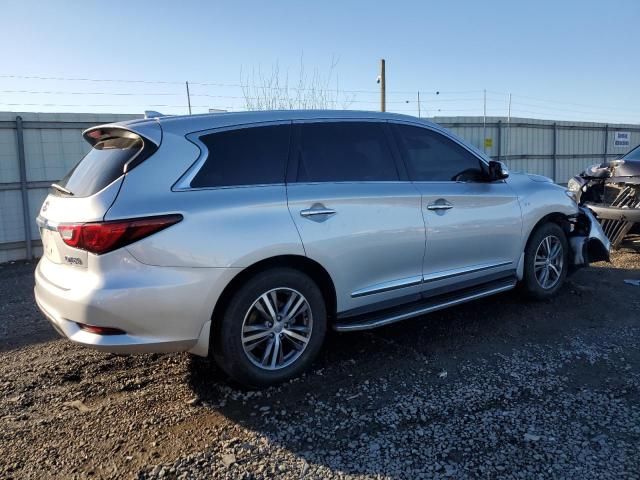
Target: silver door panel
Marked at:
473, 230
373, 242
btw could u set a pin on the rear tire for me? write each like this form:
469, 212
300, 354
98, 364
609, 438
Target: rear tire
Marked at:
272, 328
546, 261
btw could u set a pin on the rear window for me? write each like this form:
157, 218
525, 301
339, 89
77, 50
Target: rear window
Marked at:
246, 156
103, 164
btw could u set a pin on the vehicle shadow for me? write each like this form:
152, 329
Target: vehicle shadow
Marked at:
21, 323
353, 413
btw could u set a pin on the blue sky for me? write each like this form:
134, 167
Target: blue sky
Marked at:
559, 59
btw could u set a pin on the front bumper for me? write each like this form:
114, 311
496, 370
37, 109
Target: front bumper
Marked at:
589, 242
160, 309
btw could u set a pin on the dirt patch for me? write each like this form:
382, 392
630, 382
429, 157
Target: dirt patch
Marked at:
498, 387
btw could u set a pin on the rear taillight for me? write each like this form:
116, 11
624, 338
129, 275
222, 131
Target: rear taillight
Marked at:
103, 237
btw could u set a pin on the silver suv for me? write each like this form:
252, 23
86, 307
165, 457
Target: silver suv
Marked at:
246, 235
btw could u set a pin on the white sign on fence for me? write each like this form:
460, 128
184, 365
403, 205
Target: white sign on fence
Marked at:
622, 139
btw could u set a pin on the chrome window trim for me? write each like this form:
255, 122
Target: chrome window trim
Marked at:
183, 184
339, 120
353, 182
443, 275
388, 286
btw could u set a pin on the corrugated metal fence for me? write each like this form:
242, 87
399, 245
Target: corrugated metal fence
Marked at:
555, 149
37, 149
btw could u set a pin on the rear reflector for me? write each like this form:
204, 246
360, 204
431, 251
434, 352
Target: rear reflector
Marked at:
100, 330
103, 237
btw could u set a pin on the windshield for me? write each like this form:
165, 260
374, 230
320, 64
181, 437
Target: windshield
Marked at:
633, 154
102, 165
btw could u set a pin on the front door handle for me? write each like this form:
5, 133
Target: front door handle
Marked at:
440, 204
317, 209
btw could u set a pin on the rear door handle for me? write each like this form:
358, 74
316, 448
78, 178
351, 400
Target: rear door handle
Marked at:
440, 204
317, 210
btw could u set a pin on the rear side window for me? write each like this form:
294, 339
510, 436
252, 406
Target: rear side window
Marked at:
104, 163
344, 151
246, 156
432, 157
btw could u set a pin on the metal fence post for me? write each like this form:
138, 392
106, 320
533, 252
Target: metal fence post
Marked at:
499, 140
23, 186
555, 152
606, 142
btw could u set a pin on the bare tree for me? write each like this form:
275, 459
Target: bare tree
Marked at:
272, 91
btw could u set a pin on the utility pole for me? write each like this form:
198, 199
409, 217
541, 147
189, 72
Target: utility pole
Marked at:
383, 88
419, 104
188, 97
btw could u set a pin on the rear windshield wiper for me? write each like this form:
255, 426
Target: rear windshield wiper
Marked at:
61, 189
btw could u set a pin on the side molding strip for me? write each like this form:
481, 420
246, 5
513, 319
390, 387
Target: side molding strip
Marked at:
387, 286
462, 271
417, 280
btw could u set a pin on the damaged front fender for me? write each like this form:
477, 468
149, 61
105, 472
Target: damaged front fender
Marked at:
588, 241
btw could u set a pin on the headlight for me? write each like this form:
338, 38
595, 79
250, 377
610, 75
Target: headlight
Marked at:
573, 185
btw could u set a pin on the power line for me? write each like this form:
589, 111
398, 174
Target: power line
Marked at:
236, 97
537, 99
565, 109
76, 79
230, 85
92, 93
430, 104
603, 117
51, 92
100, 105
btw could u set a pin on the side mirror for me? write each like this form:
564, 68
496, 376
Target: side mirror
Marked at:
498, 170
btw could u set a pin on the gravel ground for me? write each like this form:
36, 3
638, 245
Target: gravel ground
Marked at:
501, 387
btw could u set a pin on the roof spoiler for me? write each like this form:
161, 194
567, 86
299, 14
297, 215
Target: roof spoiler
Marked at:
150, 131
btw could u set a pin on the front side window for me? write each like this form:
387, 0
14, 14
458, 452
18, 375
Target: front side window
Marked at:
246, 156
344, 152
432, 157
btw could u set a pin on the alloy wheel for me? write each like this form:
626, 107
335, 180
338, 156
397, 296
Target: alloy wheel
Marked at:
277, 328
549, 262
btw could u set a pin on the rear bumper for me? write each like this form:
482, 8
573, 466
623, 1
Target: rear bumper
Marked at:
110, 343
160, 309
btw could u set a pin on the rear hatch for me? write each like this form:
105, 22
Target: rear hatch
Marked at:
90, 188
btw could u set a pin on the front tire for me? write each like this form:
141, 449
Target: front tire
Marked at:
272, 328
546, 261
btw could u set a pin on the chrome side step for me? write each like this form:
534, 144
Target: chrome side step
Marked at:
429, 305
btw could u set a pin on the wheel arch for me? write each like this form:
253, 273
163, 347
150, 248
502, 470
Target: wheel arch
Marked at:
304, 264
560, 219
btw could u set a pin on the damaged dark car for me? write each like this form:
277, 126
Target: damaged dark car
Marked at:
611, 190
